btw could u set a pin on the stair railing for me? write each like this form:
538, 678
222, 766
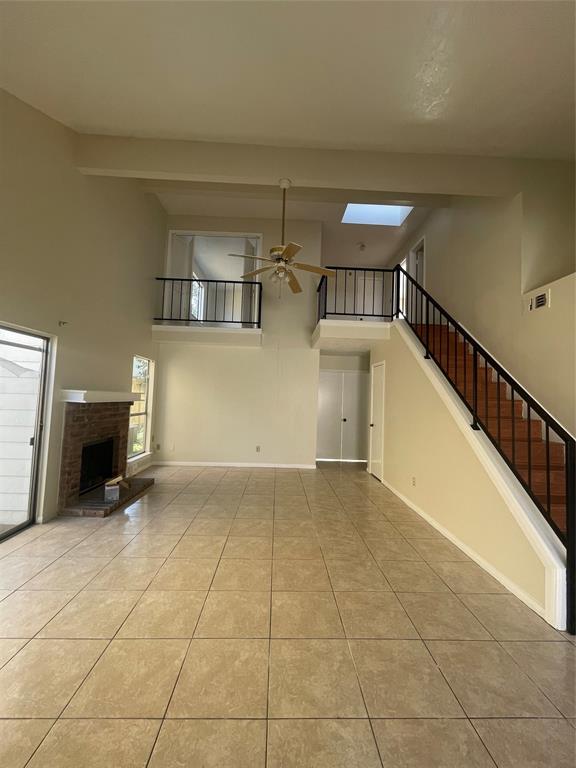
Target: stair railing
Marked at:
538, 450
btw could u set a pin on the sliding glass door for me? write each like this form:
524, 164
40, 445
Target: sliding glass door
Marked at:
23, 359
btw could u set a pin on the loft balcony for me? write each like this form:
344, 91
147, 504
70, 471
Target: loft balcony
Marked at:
355, 309
208, 311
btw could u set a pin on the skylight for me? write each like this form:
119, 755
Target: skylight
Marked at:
383, 215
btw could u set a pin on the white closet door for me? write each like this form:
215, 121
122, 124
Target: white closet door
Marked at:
329, 415
355, 415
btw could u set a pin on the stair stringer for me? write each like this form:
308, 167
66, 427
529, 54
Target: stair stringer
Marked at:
548, 548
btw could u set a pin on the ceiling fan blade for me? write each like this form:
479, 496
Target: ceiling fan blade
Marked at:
257, 271
247, 256
312, 268
295, 286
290, 251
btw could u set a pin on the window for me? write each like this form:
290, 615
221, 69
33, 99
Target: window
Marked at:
140, 410
197, 298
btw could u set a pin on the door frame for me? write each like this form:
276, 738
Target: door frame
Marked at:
37, 469
381, 364
342, 371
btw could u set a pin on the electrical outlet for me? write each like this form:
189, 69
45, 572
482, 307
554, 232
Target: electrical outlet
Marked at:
413, 481
257, 449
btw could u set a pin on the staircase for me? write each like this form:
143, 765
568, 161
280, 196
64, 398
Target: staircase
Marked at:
528, 444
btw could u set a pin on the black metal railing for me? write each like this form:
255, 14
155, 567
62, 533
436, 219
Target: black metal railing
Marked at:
358, 293
538, 450
210, 302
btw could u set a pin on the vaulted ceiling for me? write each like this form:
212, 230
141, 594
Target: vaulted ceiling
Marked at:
480, 78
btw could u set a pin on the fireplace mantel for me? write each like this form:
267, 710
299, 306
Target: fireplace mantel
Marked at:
97, 396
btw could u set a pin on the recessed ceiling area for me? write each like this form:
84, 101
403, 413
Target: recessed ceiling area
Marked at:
342, 244
473, 78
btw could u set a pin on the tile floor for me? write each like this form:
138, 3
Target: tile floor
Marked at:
249, 618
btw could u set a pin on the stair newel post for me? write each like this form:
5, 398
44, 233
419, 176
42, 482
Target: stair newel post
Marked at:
570, 458
427, 355
474, 424
397, 313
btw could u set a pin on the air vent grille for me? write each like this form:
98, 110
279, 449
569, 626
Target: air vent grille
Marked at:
539, 301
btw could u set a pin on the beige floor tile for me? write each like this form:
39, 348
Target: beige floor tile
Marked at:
552, 666
296, 548
305, 614
101, 546
16, 571
430, 744
9, 647
487, 682
210, 744
222, 679
507, 618
345, 549
378, 529
321, 744
313, 678
400, 679
217, 513
97, 744
4, 593
442, 617
529, 743
374, 615
418, 530
236, 575
248, 547
412, 577
235, 615
159, 614
133, 679
252, 512
131, 573
48, 547
356, 575
199, 546
294, 527
25, 612
467, 577
300, 575
19, 739
249, 527
153, 545
91, 614
209, 528
192, 574
68, 573
41, 678
392, 549
440, 550
166, 526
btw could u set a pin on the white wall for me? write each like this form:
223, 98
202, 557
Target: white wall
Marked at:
474, 255
75, 249
217, 403
422, 440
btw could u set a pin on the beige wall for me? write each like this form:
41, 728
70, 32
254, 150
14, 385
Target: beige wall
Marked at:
218, 403
76, 249
336, 362
473, 267
422, 440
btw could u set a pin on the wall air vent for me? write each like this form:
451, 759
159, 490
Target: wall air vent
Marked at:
539, 301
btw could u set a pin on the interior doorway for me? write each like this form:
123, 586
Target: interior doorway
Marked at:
23, 363
376, 455
342, 416
418, 263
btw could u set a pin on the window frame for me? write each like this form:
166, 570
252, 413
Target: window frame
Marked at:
146, 411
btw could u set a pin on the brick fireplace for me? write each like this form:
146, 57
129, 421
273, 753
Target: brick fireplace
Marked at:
86, 424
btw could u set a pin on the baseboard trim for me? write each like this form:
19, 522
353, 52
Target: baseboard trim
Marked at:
247, 464
472, 554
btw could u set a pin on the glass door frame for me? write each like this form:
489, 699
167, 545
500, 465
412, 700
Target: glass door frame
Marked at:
38, 425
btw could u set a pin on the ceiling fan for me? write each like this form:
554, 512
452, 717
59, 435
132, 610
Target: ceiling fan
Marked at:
282, 256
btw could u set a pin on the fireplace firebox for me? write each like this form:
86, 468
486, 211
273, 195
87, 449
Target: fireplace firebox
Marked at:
97, 464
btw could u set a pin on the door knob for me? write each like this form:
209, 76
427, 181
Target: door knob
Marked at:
371, 425
343, 419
